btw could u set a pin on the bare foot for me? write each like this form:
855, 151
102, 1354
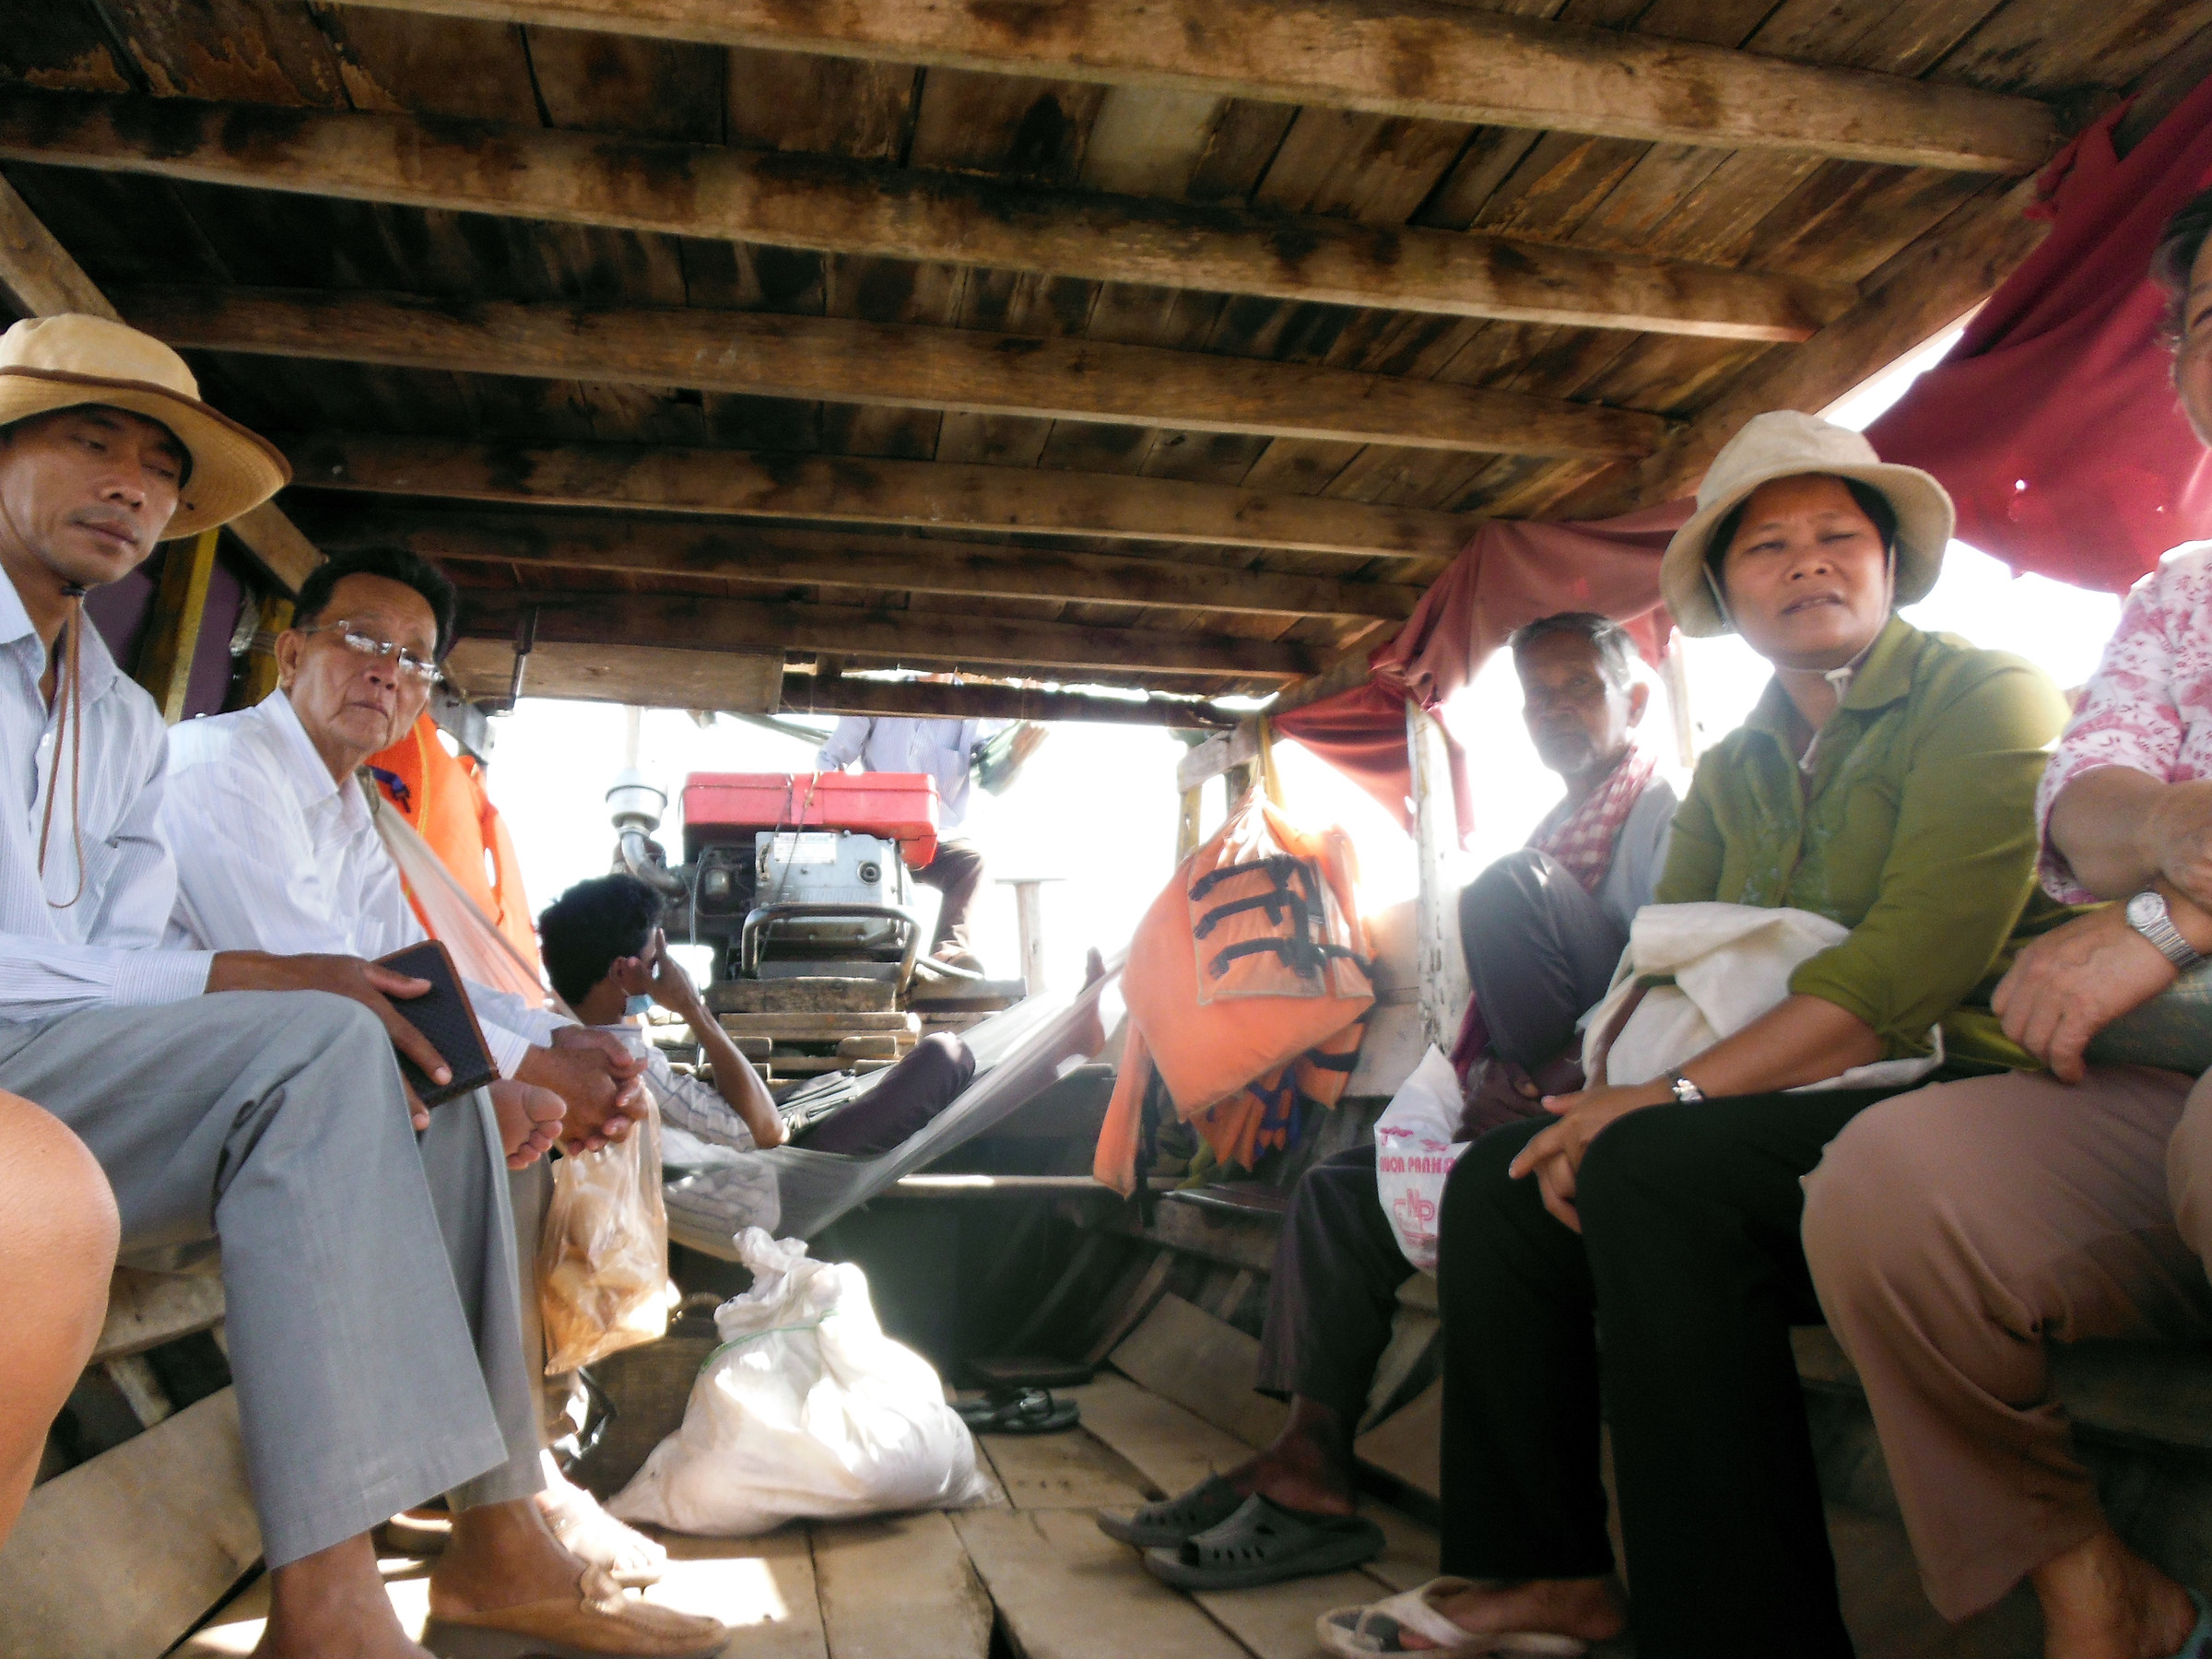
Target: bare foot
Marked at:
530, 1120
1588, 1608
2102, 1601
331, 1605
1308, 1466
591, 1533
502, 1555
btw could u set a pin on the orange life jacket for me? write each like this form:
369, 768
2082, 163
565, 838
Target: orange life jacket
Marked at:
1247, 988
444, 801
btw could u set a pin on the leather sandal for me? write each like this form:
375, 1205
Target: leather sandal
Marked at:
599, 1622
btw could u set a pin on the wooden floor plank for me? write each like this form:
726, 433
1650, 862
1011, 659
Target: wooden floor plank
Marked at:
1171, 1448
1276, 1621
1205, 1365
127, 1552
1409, 1556
1070, 1471
898, 1587
762, 1588
1066, 1591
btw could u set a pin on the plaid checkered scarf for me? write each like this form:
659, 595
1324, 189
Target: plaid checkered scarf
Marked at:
1583, 841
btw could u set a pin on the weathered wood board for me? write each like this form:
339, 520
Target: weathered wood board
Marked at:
1184, 1353
123, 1555
898, 1587
1405, 1443
1066, 1591
1070, 1471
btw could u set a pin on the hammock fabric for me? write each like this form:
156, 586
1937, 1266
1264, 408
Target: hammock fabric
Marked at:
444, 801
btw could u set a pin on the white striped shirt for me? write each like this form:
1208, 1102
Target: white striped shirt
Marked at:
101, 950
275, 855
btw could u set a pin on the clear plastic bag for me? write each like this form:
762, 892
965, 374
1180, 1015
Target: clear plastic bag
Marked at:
603, 1255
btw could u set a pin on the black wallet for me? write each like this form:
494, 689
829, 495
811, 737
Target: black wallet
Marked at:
443, 1015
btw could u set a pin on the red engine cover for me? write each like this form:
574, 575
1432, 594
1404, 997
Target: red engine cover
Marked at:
900, 807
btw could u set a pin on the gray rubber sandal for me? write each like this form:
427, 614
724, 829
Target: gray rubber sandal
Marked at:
1171, 1520
1263, 1542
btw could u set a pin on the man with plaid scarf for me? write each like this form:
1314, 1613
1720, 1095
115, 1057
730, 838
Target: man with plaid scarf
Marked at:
1543, 929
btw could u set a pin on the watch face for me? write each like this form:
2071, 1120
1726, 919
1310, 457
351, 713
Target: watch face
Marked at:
2145, 909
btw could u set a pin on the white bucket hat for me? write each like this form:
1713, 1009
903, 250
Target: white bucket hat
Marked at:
1787, 445
48, 363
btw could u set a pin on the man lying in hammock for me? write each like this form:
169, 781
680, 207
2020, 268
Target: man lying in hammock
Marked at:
606, 956
1543, 929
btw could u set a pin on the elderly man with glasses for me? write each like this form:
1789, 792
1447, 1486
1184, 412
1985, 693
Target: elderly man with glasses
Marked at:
277, 850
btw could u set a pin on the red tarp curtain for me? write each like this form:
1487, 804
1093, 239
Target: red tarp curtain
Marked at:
1512, 571
2053, 421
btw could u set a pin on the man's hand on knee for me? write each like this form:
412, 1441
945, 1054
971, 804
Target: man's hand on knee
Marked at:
596, 1074
365, 983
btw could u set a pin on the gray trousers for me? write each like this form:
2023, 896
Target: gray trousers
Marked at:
374, 1332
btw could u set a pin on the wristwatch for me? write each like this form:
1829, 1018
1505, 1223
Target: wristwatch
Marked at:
1688, 1093
2146, 914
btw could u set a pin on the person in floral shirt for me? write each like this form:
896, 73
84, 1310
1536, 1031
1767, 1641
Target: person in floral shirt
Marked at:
1954, 1232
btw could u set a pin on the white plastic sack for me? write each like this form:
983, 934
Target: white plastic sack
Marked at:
807, 1408
1415, 1151
1730, 963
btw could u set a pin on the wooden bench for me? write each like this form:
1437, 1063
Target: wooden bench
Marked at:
124, 1553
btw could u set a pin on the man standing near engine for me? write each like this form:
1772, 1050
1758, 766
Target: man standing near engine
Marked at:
947, 750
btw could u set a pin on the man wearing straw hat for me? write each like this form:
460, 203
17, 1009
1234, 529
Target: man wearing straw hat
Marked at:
244, 1098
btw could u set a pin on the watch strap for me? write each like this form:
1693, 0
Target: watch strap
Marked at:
2165, 938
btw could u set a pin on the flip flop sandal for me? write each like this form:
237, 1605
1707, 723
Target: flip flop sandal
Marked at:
1363, 1633
1019, 1411
2199, 1646
1171, 1520
1263, 1542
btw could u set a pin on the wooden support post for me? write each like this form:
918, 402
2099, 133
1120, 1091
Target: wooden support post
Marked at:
173, 632
261, 656
1186, 826
1029, 911
1675, 669
1440, 963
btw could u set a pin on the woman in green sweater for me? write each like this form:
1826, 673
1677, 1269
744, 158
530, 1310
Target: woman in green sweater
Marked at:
1885, 781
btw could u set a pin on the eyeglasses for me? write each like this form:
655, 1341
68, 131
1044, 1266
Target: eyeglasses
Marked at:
412, 668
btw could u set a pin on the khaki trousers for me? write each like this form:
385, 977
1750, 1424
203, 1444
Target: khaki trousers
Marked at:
1952, 1233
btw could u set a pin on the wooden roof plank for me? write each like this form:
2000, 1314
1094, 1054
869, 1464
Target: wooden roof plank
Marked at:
1413, 58
1918, 294
607, 542
699, 624
852, 490
765, 355
853, 209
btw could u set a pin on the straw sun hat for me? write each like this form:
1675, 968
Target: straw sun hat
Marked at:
48, 363
1784, 444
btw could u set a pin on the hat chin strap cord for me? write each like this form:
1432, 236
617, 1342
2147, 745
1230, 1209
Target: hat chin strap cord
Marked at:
1720, 599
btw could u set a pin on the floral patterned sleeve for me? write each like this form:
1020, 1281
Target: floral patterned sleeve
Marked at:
2149, 704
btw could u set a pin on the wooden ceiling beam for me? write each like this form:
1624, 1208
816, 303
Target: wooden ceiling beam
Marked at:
39, 280
1415, 58
762, 354
817, 558
1922, 291
831, 205
691, 623
809, 694
851, 489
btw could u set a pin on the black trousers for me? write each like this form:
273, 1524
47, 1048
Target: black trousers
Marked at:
1687, 1275
1335, 1287
955, 872
1540, 951
914, 1091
